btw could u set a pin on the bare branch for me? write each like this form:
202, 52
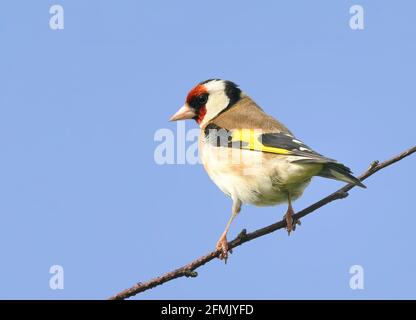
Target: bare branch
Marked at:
189, 269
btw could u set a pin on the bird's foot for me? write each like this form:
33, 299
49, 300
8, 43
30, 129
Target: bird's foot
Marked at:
291, 223
222, 245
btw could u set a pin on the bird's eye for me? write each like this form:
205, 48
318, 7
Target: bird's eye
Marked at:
202, 99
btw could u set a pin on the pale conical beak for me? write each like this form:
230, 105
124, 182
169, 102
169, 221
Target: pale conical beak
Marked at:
185, 112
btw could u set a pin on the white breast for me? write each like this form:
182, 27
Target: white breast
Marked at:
254, 177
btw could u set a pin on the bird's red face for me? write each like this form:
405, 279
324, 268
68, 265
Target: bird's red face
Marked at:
195, 106
207, 100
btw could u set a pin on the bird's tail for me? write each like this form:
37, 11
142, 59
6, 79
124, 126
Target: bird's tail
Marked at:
338, 171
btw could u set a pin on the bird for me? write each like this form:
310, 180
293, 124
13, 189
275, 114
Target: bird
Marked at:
252, 157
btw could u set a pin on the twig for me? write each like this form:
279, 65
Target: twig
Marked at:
189, 269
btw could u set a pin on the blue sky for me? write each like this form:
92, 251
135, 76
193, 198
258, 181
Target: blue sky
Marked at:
79, 108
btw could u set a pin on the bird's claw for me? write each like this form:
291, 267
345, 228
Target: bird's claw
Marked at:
222, 245
291, 223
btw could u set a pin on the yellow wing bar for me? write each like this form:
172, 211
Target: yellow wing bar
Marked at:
251, 141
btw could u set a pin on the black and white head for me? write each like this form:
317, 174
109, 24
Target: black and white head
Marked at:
207, 100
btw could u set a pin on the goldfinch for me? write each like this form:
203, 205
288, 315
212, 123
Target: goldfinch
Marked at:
250, 156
